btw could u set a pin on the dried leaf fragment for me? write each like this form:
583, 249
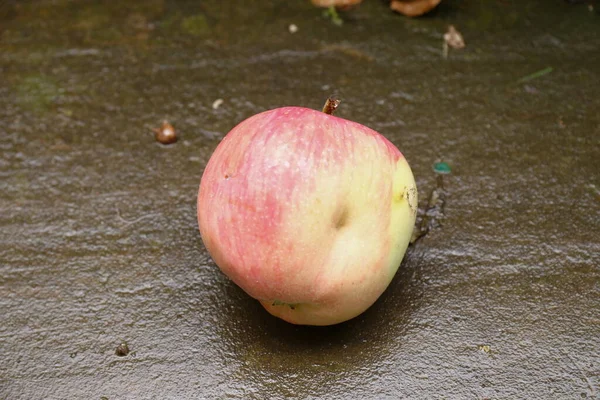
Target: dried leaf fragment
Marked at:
454, 39
413, 8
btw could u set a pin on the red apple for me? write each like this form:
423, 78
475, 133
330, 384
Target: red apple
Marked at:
308, 213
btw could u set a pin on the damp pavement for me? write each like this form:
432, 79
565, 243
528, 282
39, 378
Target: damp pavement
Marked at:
106, 291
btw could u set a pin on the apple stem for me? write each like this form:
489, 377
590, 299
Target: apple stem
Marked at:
331, 104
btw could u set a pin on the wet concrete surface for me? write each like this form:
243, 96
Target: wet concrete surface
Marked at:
99, 246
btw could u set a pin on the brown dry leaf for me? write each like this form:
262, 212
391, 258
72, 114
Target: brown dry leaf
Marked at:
335, 3
413, 8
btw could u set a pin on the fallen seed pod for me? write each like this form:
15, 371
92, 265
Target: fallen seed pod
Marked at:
166, 133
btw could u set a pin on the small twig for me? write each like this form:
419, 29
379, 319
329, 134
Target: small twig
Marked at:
331, 104
434, 211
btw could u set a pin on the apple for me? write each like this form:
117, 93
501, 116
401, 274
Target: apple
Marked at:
309, 213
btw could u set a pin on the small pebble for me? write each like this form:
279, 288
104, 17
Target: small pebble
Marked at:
122, 350
166, 133
217, 103
293, 28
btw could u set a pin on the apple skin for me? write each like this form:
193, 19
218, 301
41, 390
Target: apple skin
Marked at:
309, 213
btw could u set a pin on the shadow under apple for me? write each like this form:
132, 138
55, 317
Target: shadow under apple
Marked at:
287, 359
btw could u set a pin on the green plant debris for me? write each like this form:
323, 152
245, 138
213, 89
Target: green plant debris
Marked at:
196, 25
536, 75
442, 168
37, 92
332, 14
484, 348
